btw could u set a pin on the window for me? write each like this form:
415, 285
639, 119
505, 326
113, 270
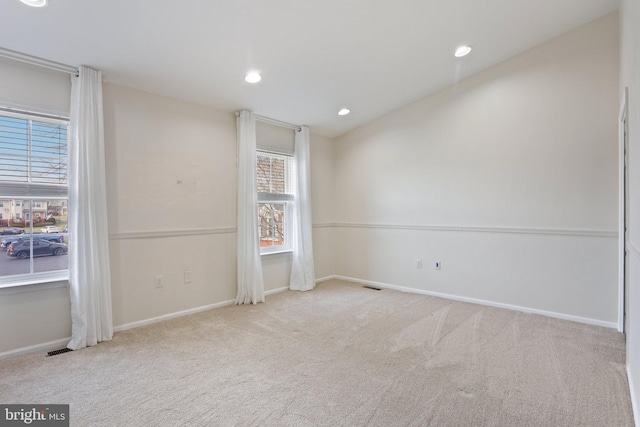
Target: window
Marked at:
33, 187
274, 174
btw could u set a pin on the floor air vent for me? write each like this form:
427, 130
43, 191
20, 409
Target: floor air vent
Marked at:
372, 287
59, 351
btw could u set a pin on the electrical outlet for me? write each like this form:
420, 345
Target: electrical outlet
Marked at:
187, 276
419, 264
158, 281
437, 265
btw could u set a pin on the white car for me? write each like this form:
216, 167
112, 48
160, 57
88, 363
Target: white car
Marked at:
50, 229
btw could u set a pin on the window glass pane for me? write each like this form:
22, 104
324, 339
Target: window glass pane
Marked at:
273, 173
263, 173
277, 175
271, 220
15, 238
50, 220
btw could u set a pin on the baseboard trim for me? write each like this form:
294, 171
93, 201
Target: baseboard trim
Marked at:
186, 312
51, 345
153, 320
634, 404
324, 279
275, 291
44, 347
562, 316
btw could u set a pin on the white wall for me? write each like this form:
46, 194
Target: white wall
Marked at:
323, 206
171, 167
630, 77
509, 178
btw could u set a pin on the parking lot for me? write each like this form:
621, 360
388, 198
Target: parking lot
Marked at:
11, 265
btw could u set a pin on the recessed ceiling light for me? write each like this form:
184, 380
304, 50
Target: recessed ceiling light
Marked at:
253, 77
35, 3
462, 51
344, 112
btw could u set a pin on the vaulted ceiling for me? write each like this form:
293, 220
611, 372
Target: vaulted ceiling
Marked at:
315, 57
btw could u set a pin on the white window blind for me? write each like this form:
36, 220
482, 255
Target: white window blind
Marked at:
33, 156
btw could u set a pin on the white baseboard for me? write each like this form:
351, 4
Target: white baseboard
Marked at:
54, 345
185, 312
171, 316
324, 279
562, 316
62, 342
44, 347
275, 291
634, 398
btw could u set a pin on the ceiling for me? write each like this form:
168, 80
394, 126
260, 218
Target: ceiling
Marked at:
315, 56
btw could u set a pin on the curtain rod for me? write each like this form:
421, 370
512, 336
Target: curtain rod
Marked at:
33, 60
271, 121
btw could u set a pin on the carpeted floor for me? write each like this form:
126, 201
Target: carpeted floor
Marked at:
340, 355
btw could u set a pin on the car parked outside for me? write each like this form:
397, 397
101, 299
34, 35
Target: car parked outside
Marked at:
56, 238
49, 229
12, 231
22, 249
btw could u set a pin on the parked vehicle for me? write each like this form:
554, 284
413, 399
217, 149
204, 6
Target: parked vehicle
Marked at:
49, 229
65, 229
22, 249
56, 238
12, 231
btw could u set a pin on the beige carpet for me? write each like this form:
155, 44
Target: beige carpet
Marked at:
340, 355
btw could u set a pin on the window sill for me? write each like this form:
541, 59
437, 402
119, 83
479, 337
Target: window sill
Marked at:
281, 252
31, 282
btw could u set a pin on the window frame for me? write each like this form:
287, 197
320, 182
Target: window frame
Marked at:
34, 193
286, 199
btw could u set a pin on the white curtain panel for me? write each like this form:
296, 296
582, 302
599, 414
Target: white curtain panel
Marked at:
302, 270
89, 274
250, 283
